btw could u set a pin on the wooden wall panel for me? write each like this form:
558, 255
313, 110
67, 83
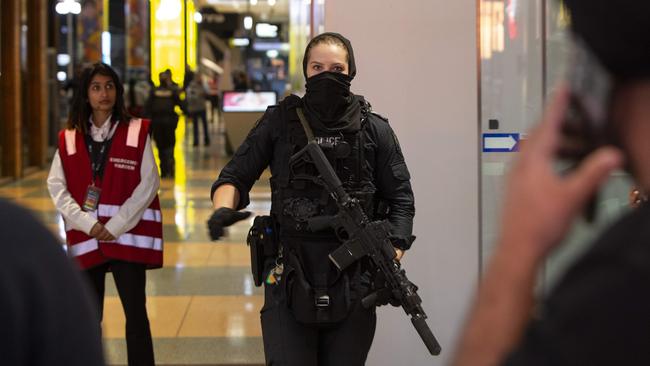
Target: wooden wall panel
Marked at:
10, 87
37, 87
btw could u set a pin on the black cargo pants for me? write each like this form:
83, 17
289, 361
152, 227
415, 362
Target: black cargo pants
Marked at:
289, 343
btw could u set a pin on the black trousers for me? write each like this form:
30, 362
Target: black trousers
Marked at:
214, 106
130, 280
289, 343
164, 134
196, 116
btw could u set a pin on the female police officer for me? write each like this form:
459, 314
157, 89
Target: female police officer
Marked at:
312, 313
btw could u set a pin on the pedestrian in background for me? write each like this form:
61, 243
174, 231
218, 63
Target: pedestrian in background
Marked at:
195, 97
212, 86
164, 120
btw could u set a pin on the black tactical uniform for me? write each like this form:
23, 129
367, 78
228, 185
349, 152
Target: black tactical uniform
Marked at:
312, 313
164, 120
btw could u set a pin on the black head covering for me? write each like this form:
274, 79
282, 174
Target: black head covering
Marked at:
352, 67
328, 102
618, 33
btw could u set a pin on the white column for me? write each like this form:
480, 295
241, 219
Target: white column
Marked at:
417, 65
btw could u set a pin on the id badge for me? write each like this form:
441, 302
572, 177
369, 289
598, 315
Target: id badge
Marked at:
92, 198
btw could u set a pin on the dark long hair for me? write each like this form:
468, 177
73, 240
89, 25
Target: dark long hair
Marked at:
81, 110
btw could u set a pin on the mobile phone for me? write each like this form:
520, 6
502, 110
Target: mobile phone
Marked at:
586, 123
585, 126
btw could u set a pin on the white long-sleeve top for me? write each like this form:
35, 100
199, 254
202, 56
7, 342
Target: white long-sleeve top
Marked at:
131, 210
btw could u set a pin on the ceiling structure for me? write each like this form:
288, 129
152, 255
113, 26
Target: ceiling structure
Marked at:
261, 10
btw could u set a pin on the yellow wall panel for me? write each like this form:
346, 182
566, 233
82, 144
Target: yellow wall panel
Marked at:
167, 38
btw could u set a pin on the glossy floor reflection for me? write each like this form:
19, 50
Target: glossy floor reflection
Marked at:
203, 306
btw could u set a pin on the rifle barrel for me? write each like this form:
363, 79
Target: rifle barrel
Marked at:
426, 334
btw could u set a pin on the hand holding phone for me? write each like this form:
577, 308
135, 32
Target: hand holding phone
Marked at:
586, 123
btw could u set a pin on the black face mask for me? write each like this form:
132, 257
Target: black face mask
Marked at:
328, 95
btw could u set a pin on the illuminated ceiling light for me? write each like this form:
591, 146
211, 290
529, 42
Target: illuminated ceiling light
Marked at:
266, 30
168, 10
248, 22
240, 42
198, 17
253, 2
212, 65
272, 2
64, 7
61, 76
75, 8
272, 53
63, 59
61, 8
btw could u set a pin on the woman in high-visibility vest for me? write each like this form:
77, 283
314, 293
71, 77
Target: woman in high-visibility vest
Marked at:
104, 182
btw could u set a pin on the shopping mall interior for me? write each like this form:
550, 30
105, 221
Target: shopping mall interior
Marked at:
461, 83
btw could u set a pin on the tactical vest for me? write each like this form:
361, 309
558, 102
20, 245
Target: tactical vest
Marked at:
316, 292
163, 101
298, 196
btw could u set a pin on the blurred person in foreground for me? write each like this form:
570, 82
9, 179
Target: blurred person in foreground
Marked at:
46, 310
104, 182
598, 312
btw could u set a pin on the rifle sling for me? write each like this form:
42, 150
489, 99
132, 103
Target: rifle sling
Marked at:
305, 125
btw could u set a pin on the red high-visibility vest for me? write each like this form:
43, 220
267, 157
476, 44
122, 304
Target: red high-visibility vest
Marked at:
143, 243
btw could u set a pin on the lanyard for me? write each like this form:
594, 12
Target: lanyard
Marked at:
97, 162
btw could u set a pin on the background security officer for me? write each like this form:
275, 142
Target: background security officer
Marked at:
312, 313
164, 120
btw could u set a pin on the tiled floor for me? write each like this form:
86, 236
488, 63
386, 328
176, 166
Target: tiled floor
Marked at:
203, 306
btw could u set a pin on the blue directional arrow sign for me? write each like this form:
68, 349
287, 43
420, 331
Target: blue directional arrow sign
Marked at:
500, 142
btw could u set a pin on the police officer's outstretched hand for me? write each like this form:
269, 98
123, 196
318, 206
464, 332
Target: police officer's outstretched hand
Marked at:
224, 217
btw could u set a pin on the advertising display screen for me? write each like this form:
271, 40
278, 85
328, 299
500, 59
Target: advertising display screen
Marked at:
248, 101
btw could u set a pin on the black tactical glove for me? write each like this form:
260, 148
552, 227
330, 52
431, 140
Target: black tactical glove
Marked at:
222, 218
381, 293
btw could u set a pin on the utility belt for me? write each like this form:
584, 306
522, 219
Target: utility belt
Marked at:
314, 297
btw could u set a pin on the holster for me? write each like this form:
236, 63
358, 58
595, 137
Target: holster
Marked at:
263, 243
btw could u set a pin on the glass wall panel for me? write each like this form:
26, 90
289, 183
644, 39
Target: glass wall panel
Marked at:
613, 199
524, 54
307, 19
167, 39
511, 95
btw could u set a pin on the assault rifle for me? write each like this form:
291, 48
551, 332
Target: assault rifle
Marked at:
361, 238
